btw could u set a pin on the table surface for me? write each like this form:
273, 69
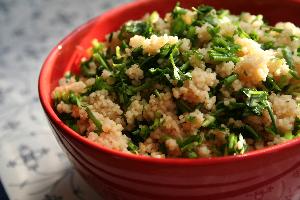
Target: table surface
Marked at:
32, 166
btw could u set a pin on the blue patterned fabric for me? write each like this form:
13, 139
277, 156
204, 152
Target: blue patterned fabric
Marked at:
32, 166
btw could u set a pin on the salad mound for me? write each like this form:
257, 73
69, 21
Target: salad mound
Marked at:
198, 82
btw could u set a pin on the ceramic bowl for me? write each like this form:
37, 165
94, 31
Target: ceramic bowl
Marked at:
268, 174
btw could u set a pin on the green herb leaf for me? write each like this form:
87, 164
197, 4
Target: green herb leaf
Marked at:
240, 32
98, 58
68, 75
69, 121
268, 45
156, 123
177, 74
187, 54
223, 50
232, 145
190, 118
278, 30
137, 28
178, 11
166, 50
178, 26
175, 69
203, 10
99, 84
288, 135
73, 99
191, 34
132, 147
287, 55
209, 120
294, 74
254, 36
222, 13
270, 130
294, 37
124, 45
271, 85
190, 142
206, 14
232, 141
118, 53
85, 69
273, 119
253, 134
95, 120
192, 154
296, 125
154, 15
230, 79
97, 46
141, 133
213, 31
257, 101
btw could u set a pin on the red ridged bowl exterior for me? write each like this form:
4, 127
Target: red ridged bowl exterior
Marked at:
269, 174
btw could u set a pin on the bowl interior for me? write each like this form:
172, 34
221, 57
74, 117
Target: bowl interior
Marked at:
67, 54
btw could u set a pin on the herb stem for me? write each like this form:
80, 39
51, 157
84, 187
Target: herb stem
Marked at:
229, 80
209, 120
94, 119
99, 59
251, 131
272, 118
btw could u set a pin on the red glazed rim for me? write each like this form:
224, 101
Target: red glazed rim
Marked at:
44, 81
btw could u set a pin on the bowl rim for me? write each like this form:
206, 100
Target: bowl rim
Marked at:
52, 116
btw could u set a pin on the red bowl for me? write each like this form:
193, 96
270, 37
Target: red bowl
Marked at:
271, 173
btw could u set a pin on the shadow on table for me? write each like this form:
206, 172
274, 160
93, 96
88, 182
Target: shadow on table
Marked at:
70, 185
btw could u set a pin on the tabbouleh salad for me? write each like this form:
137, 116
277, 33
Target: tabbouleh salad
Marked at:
196, 83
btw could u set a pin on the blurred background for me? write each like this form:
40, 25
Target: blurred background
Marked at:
32, 166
